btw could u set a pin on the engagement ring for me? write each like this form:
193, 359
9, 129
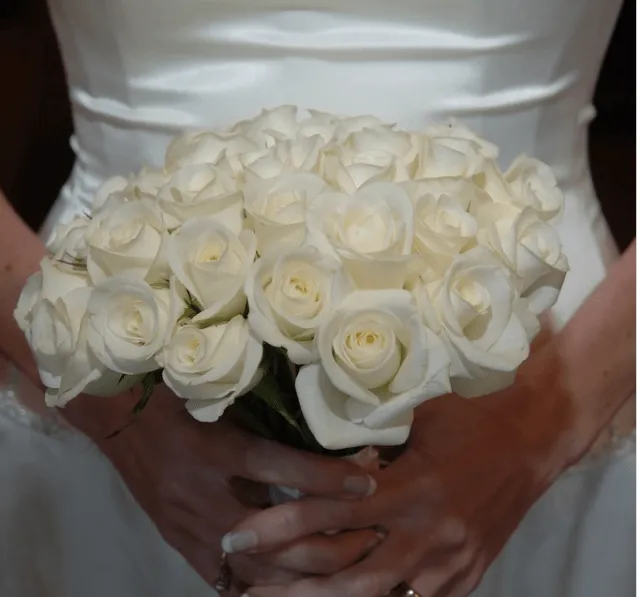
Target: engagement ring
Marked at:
404, 590
223, 582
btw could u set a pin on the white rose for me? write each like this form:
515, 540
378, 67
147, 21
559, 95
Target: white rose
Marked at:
277, 208
530, 248
69, 243
54, 327
377, 363
444, 226
58, 280
280, 122
52, 282
481, 323
533, 184
371, 232
289, 297
124, 238
318, 124
454, 129
284, 156
212, 366
112, 186
197, 191
127, 324
348, 125
180, 145
29, 296
528, 183
369, 155
53, 333
197, 148
212, 263
333, 126
452, 150
146, 184
51, 312
84, 373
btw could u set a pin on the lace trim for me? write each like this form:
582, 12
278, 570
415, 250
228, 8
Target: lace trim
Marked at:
618, 446
12, 409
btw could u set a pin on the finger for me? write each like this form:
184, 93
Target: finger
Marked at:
467, 582
443, 573
276, 464
281, 525
193, 510
395, 559
203, 559
278, 526
248, 572
375, 576
321, 554
250, 493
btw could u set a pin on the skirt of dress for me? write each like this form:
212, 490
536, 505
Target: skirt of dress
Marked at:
70, 528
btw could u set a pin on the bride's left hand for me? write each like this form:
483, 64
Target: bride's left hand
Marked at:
449, 503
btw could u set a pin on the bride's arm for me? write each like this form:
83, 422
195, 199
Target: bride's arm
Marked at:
20, 253
176, 468
588, 371
473, 468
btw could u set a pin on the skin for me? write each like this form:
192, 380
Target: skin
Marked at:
439, 534
473, 468
180, 471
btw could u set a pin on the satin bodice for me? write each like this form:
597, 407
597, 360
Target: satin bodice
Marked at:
520, 72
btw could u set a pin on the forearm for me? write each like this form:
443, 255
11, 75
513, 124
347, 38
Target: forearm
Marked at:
21, 251
583, 376
599, 349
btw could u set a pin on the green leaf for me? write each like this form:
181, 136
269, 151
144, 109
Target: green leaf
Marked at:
160, 284
192, 302
77, 264
188, 313
247, 418
269, 392
148, 385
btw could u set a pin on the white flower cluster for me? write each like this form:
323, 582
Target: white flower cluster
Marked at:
392, 267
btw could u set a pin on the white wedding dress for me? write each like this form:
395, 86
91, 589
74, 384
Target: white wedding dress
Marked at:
520, 72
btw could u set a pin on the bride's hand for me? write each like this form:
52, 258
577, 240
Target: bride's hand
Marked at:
179, 472
449, 503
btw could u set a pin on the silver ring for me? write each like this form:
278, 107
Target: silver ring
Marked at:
225, 576
404, 590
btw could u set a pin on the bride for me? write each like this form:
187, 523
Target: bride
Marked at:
500, 488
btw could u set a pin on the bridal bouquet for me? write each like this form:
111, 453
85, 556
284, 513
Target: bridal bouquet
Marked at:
316, 278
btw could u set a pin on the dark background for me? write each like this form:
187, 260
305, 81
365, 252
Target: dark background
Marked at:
35, 123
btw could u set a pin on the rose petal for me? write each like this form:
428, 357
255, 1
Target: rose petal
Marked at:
323, 407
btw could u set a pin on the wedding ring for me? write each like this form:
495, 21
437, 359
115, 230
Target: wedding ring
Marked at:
404, 590
223, 582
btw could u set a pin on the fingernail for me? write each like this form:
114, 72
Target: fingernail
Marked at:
368, 550
373, 544
243, 541
360, 485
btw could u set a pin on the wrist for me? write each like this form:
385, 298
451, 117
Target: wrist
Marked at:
100, 417
545, 413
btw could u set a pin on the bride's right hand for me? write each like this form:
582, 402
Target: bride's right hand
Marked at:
179, 470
